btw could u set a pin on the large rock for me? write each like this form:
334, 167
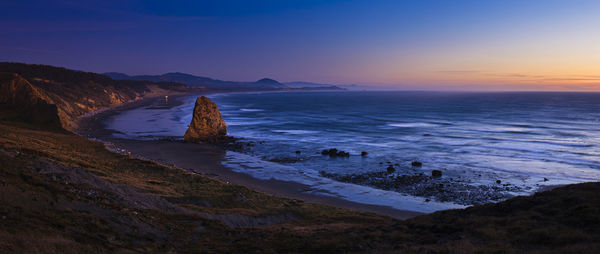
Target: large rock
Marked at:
207, 126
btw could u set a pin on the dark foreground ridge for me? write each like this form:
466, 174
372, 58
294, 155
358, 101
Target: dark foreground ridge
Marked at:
62, 193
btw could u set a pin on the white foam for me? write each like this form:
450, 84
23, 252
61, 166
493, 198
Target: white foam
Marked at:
265, 170
411, 125
245, 122
295, 132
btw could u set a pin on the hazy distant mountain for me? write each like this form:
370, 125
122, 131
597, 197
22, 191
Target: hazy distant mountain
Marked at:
269, 82
188, 79
310, 85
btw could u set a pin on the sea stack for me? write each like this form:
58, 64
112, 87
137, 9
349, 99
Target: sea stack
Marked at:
207, 126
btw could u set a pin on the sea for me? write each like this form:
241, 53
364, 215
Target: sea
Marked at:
514, 143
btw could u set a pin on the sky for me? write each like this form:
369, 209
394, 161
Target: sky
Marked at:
426, 44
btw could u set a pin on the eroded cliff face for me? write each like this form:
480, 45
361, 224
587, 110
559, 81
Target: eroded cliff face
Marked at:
63, 94
207, 126
25, 102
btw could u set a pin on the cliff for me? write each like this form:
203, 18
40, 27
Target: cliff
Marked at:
27, 103
207, 125
72, 93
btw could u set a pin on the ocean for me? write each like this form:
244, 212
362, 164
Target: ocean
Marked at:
488, 146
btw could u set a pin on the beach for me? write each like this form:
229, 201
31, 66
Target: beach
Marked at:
480, 156
207, 160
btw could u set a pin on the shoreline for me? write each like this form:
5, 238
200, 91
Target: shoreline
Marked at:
206, 159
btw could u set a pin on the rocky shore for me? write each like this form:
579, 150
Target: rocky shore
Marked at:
412, 179
429, 186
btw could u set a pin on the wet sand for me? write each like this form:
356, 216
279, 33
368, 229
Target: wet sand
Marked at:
207, 160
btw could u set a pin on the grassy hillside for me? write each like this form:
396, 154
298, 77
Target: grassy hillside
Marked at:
62, 193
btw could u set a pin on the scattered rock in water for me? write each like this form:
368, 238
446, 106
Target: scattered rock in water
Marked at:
364, 153
436, 173
422, 185
498, 181
298, 152
390, 169
326, 152
333, 152
545, 179
232, 144
416, 164
426, 134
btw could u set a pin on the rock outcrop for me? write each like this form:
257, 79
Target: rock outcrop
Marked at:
67, 94
25, 102
207, 126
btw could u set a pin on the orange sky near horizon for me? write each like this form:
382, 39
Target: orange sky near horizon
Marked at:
558, 52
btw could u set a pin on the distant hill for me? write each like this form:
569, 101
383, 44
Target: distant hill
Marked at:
188, 79
267, 82
216, 84
308, 85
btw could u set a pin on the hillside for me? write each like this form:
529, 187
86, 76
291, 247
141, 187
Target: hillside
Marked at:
74, 93
62, 193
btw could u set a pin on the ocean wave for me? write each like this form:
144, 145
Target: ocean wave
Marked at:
251, 109
265, 170
295, 132
248, 122
411, 125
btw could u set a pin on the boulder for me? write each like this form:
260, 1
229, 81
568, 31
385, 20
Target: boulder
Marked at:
207, 126
333, 152
436, 173
364, 153
390, 169
416, 164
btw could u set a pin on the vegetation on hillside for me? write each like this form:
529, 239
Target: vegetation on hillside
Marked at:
62, 193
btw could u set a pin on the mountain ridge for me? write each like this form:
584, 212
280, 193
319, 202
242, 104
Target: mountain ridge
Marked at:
210, 83
206, 82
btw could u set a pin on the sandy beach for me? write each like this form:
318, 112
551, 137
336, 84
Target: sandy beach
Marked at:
207, 160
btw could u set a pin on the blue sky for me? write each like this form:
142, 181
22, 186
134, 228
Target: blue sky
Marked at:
487, 44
